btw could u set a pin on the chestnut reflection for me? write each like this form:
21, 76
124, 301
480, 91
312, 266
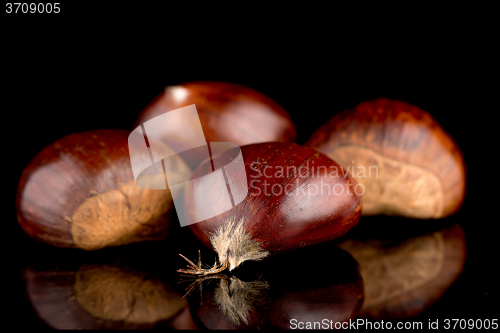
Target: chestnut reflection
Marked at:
403, 275
308, 285
103, 292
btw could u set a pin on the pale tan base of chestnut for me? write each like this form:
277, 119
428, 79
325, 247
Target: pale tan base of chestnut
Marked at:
392, 187
125, 215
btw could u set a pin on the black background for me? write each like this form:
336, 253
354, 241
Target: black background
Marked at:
90, 69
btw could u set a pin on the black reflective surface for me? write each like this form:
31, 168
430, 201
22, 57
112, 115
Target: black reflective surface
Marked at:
312, 284
134, 287
63, 82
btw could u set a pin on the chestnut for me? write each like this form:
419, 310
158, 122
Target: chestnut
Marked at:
80, 192
404, 275
265, 297
407, 163
228, 112
286, 197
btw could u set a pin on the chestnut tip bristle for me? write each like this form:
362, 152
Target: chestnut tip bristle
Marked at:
198, 270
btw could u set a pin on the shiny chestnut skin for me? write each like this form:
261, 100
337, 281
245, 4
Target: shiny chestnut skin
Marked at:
406, 273
80, 192
408, 164
228, 112
310, 202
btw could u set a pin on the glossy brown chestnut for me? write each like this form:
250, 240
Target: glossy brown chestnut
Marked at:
228, 112
80, 192
296, 197
266, 297
403, 277
407, 163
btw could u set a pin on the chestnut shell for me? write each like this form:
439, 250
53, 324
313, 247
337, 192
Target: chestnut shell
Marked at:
228, 112
80, 192
288, 214
420, 169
